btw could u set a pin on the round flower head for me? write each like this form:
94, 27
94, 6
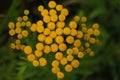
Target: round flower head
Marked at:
60, 24
95, 26
53, 18
76, 18
70, 57
12, 45
73, 24
54, 47
35, 63
39, 46
59, 31
51, 25
59, 55
62, 17
41, 37
38, 53
46, 19
42, 61
90, 31
73, 32
92, 40
62, 47
66, 31
59, 39
25, 33
83, 19
96, 32
25, 18
40, 8
75, 63
68, 68
53, 34
26, 12
59, 7
48, 40
47, 49
28, 23
52, 12
33, 27
60, 75
64, 11
69, 51
40, 29
55, 63
31, 57
75, 50
19, 19
52, 4
28, 49
19, 36
55, 70
80, 55
70, 39
11, 25
63, 61
86, 37
77, 43
46, 31
44, 12
18, 30
12, 32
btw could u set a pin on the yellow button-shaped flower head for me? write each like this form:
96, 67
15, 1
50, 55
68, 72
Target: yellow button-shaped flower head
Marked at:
55, 70
12, 32
87, 44
64, 11
54, 47
75, 63
95, 26
25, 33
77, 43
59, 7
70, 57
31, 57
52, 4
26, 12
44, 12
19, 19
69, 51
73, 32
84, 29
39, 46
38, 53
86, 37
91, 53
92, 40
52, 12
60, 75
66, 31
53, 34
11, 25
19, 36
70, 39
62, 46
33, 27
73, 24
28, 23
80, 55
47, 49
46, 31
90, 31
55, 63
68, 68
63, 61
35, 63
18, 24
75, 50
96, 32
76, 18
60, 24
17, 41
51, 25
79, 34
58, 55
41, 37
18, 30
12, 45
42, 61
59, 31
40, 29
48, 40
53, 18
83, 19
40, 8
28, 49
39, 23
59, 39
62, 17
46, 19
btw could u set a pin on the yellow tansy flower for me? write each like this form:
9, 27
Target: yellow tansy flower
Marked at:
42, 61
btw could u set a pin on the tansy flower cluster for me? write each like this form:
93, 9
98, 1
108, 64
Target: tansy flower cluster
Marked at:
67, 43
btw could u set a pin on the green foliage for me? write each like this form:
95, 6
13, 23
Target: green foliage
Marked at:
103, 66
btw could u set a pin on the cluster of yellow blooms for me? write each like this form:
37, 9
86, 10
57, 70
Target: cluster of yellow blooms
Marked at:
67, 42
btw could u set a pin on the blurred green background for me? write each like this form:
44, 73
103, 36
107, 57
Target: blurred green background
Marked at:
105, 65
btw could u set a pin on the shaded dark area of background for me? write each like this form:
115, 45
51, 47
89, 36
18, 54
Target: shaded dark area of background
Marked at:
105, 65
